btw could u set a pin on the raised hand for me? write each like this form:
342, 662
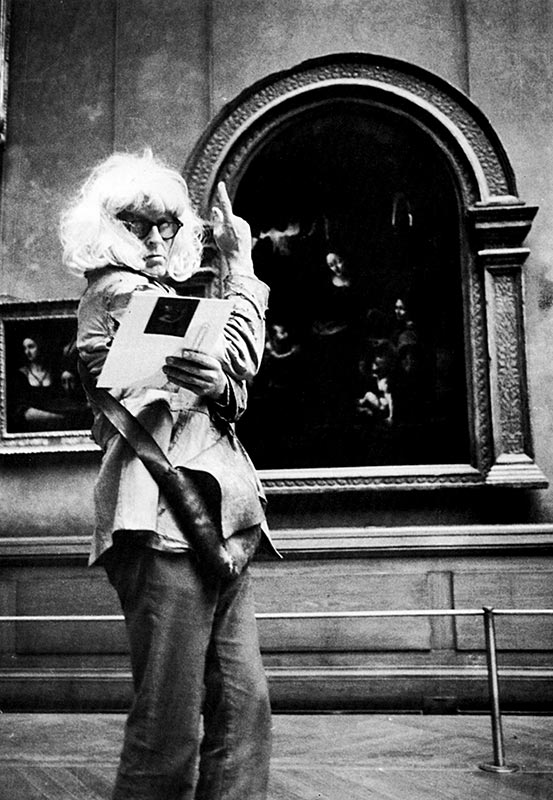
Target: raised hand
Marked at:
232, 234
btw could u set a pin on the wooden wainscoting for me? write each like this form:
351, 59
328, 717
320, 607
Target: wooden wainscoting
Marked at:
433, 664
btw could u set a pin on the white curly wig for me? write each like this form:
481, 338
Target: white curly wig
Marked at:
93, 237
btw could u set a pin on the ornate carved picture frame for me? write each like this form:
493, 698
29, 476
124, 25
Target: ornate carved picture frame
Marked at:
4, 56
275, 146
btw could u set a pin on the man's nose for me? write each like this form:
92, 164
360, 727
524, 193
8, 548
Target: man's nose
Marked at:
153, 235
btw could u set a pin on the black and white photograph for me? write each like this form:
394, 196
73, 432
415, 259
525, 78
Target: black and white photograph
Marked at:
276, 427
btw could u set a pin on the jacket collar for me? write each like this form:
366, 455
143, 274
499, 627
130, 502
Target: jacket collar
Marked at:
94, 274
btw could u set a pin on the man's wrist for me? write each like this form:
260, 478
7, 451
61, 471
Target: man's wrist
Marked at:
223, 398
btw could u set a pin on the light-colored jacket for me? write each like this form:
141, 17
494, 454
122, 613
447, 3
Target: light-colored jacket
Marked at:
193, 432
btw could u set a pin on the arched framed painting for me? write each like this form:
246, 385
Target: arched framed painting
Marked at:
387, 224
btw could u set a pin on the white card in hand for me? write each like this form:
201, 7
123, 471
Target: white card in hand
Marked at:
155, 327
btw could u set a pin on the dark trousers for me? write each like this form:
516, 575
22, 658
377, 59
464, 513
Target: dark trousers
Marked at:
194, 648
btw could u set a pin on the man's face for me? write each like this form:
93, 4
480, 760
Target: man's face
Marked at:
153, 226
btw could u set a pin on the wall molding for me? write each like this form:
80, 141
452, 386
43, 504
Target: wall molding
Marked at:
334, 542
430, 689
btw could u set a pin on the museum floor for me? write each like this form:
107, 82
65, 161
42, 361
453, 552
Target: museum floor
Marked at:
315, 757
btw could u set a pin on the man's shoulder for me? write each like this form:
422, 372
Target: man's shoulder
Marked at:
116, 278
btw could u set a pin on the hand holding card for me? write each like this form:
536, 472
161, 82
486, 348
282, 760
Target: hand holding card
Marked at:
154, 328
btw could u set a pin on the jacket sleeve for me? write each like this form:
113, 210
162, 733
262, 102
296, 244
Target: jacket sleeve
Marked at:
245, 331
231, 407
100, 313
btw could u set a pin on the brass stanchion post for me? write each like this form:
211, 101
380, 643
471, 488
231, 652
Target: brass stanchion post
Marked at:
498, 764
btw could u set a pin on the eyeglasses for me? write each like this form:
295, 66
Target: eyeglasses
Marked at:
141, 226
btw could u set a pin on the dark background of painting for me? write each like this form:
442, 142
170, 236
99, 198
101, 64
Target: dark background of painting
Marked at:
55, 335
353, 179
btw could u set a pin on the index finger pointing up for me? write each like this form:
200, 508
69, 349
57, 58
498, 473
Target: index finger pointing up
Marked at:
224, 201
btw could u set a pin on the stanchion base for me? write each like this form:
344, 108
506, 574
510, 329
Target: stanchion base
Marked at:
499, 768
